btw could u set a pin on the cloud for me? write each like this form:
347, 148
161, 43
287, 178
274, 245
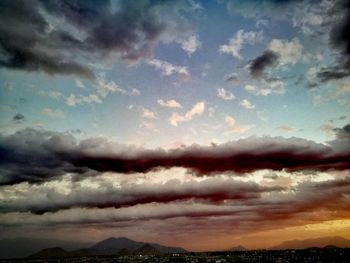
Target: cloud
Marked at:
107, 195
79, 84
51, 94
336, 23
342, 88
342, 141
191, 45
248, 206
233, 78
74, 100
233, 127
327, 128
167, 69
247, 104
286, 128
331, 73
339, 35
103, 88
279, 52
289, 52
196, 110
258, 65
236, 43
148, 114
59, 38
261, 9
147, 125
38, 155
135, 92
18, 118
224, 94
169, 103
52, 113
268, 87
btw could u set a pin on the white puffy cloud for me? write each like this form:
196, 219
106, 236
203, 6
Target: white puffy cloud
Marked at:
238, 40
225, 94
79, 84
191, 44
247, 104
169, 103
289, 52
148, 114
196, 110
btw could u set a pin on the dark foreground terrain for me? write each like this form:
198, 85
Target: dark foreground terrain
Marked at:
314, 255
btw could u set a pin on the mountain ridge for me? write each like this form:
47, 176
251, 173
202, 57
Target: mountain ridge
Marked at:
320, 242
110, 246
23, 247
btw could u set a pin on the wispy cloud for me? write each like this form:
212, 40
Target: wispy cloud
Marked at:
53, 113
232, 127
168, 69
237, 42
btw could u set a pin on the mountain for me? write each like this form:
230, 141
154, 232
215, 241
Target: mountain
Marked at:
238, 248
55, 252
147, 249
110, 246
117, 243
124, 252
314, 242
165, 249
23, 247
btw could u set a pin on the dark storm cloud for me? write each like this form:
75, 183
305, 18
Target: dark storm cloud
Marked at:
28, 43
37, 155
212, 190
259, 64
31, 39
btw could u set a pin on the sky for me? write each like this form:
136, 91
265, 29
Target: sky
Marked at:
200, 124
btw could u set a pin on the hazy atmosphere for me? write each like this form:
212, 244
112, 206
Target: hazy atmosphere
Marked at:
197, 124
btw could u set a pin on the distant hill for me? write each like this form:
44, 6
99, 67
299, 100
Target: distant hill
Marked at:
238, 248
24, 247
147, 249
55, 252
119, 243
110, 246
314, 242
